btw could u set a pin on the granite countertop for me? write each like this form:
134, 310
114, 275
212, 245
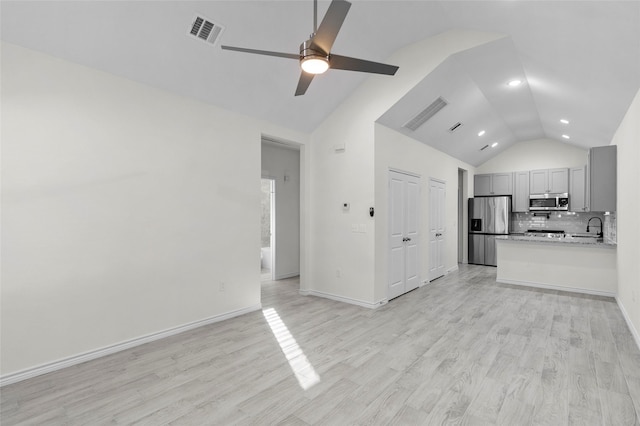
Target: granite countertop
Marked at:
565, 239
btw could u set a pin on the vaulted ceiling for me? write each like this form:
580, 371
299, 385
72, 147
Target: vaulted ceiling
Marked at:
578, 61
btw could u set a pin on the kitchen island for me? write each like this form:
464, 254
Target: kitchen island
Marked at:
568, 264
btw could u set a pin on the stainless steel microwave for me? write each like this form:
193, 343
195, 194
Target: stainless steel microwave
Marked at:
549, 202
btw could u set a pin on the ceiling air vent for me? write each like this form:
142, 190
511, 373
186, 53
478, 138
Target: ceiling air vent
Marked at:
425, 114
455, 127
205, 30
484, 147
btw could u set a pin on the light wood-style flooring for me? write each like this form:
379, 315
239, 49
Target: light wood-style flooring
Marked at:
461, 350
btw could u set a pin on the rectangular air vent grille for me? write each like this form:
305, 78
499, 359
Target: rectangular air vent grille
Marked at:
426, 114
455, 127
205, 30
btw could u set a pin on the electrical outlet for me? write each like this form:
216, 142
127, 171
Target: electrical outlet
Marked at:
222, 286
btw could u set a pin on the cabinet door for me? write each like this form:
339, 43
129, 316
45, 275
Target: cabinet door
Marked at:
521, 192
577, 189
558, 181
603, 184
501, 184
481, 185
538, 181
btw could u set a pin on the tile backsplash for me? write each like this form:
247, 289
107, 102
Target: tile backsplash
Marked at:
568, 222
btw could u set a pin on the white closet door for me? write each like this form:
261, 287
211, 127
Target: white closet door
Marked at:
404, 225
437, 194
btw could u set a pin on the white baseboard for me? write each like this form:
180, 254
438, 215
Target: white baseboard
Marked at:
452, 269
108, 350
557, 287
285, 276
632, 328
343, 299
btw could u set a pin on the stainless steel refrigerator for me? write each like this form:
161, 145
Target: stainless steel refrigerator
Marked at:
488, 217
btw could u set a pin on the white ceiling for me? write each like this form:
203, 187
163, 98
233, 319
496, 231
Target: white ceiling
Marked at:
580, 59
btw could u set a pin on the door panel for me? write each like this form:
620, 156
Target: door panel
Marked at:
436, 229
412, 272
404, 225
396, 225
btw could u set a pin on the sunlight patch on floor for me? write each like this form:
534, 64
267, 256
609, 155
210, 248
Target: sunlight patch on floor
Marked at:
298, 361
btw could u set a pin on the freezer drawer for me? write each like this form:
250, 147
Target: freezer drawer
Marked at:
490, 256
476, 249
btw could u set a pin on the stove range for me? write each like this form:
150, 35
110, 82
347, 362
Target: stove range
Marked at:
548, 233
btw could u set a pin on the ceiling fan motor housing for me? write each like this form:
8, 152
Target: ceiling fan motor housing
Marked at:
310, 53
307, 49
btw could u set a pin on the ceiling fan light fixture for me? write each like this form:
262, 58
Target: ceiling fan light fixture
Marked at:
314, 64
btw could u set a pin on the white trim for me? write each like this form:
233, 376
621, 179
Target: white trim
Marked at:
452, 269
343, 299
558, 287
127, 344
404, 172
285, 276
634, 332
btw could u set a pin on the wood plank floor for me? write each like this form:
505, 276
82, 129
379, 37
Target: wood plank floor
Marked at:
462, 350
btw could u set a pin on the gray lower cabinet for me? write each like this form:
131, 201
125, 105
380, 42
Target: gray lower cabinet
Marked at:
602, 178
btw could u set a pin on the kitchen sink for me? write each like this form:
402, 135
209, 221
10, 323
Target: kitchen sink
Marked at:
587, 239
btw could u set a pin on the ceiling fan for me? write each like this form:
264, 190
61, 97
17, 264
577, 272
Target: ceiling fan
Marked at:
315, 53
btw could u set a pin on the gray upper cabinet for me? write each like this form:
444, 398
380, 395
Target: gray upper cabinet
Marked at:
549, 181
493, 184
520, 192
578, 199
481, 185
602, 178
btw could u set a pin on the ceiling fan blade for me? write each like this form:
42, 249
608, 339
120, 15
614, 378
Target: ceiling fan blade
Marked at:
304, 82
330, 25
339, 62
263, 52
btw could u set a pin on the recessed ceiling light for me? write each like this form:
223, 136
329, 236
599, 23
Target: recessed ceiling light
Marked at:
481, 132
514, 83
493, 145
563, 121
566, 136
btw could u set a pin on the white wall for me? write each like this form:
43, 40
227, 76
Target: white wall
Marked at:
349, 176
536, 154
397, 151
277, 163
123, 208
627, 138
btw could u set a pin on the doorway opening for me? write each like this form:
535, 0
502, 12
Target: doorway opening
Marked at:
268, 231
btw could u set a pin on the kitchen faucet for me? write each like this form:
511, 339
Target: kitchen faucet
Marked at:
599, 233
